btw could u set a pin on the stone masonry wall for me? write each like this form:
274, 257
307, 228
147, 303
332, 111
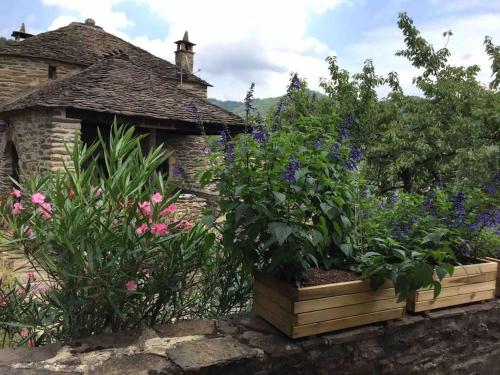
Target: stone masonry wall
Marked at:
39, 137
18, 75
189, 154
458, 341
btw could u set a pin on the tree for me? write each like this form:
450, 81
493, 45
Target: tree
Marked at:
448, 134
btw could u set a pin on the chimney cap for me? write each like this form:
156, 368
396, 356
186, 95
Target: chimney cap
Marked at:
185, 40
90, 22
21, 34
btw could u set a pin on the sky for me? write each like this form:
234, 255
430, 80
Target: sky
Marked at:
262, 41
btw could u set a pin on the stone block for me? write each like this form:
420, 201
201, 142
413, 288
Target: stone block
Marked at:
273, 345
210, 354
187, 328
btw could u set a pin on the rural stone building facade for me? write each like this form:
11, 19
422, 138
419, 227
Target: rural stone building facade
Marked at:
77, 78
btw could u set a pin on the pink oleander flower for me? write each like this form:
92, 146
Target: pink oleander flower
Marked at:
25, 332
169, 210
131, 286
38, 198
28, 232
146, 208
141, 229
21, 291
156, 198
159, 229
186, 224
16, 193
17, 208
31, 276
98, 192
42, 288
46, 210
9, 234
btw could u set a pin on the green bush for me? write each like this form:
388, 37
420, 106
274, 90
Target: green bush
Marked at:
286, 192
110, 249
409, 236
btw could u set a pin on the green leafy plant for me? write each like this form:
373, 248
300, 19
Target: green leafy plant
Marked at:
109, 250
286, 191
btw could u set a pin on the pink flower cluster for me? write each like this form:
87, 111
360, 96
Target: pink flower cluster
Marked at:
146, 208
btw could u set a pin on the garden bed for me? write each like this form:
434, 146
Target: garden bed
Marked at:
470, 283
305, 311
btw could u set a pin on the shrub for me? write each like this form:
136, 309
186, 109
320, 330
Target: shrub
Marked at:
409, 236
110, 251
286, 192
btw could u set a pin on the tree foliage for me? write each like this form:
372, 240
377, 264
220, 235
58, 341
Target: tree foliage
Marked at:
449, 133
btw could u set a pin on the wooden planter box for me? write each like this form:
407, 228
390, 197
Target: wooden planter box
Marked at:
497, 261
300, 312
471, 283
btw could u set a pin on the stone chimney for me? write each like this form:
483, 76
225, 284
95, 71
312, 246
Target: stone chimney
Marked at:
184, 54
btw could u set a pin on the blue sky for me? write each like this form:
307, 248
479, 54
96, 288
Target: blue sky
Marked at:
239, 41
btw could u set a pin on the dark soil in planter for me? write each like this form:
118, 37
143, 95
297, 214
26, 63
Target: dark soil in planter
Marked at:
315, 276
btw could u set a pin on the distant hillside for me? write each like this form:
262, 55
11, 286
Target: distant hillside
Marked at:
261, 105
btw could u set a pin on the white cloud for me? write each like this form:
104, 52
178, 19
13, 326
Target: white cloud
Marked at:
263, 40
100, 10
241, 42
237, 42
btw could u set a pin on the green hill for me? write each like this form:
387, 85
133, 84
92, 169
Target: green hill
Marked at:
261, 105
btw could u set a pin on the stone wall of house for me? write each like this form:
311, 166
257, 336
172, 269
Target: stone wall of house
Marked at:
458, 341
39, 137
189, 153
21, 74
194, 88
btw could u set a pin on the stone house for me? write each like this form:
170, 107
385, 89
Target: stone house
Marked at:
78, 78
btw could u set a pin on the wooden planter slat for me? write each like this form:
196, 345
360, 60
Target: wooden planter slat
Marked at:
346, 311
337, 289
470, 283
352, 321
456, 290
455, 300
497, 261
283, 301
269, 314
472, 279
337, 301
297, 312
473, 269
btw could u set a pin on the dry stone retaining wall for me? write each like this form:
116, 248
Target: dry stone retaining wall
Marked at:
464, 340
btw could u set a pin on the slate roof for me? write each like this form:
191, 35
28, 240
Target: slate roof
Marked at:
119, 85
84, 44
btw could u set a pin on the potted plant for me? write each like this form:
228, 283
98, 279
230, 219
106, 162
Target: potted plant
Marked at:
442, 228
287, 194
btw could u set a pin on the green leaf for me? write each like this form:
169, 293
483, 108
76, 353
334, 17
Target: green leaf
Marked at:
280, 197
441, 272
346, 249
437, 289
345, 221
280, 230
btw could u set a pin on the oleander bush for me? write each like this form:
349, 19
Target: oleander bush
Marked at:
109, 249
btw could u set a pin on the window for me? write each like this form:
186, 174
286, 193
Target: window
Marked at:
52, 72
